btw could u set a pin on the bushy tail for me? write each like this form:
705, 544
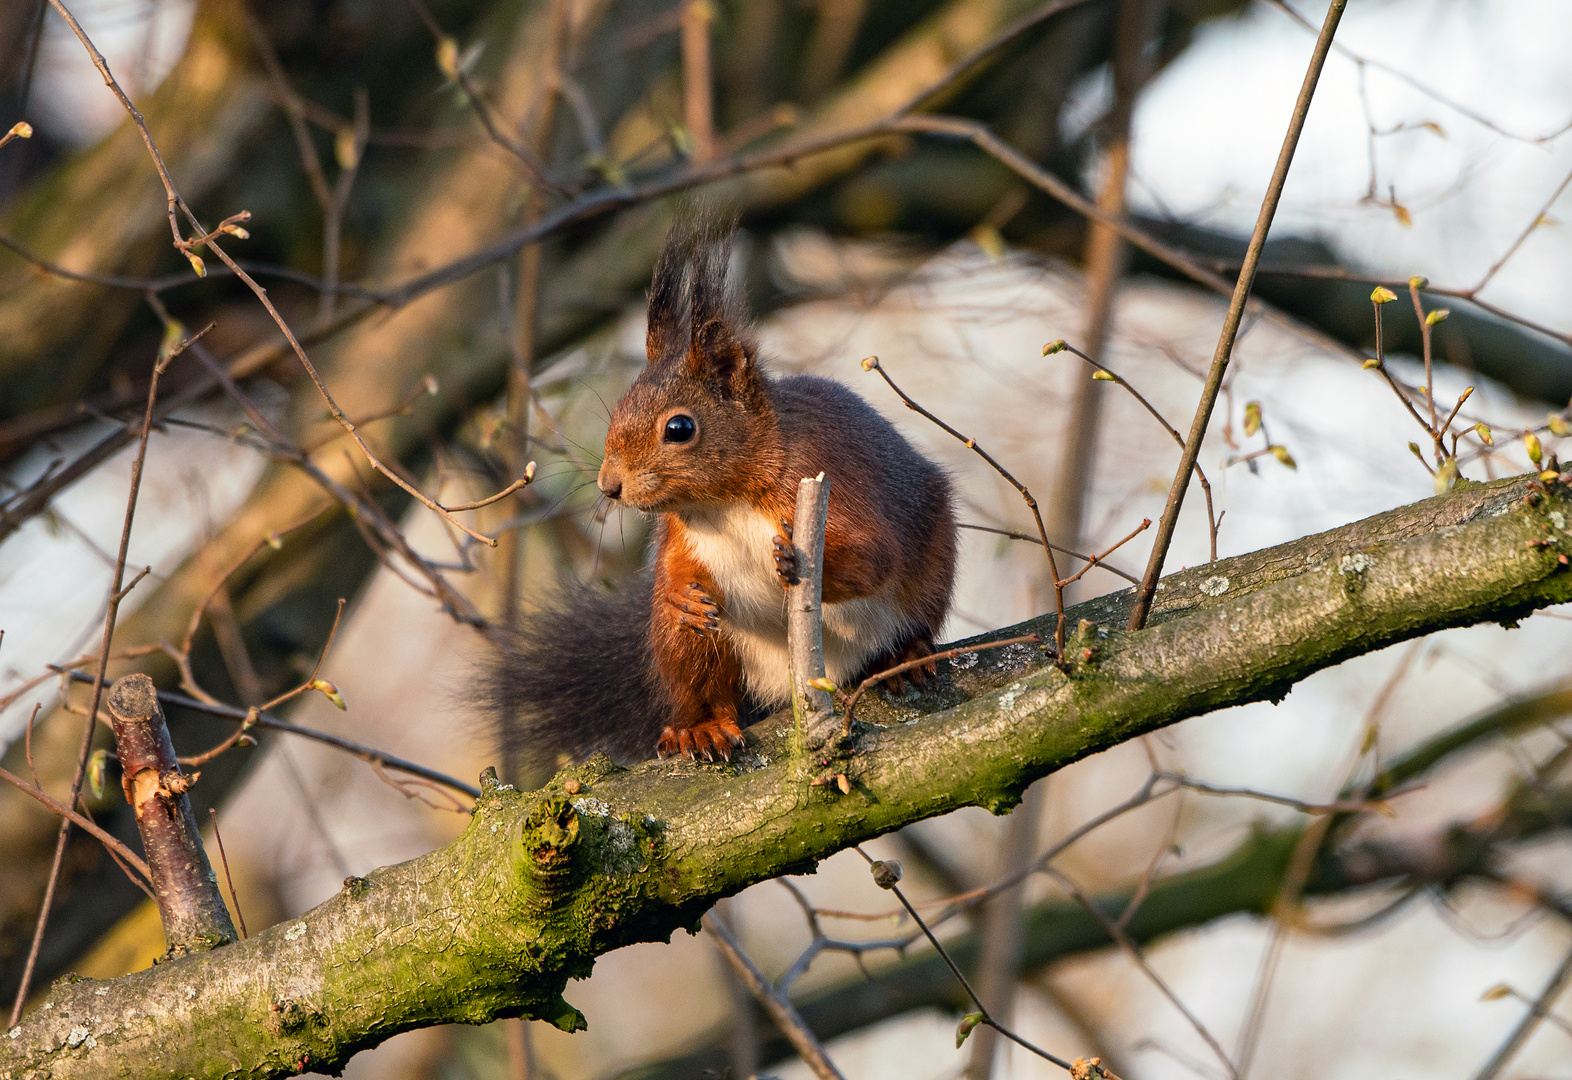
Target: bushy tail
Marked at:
577, 677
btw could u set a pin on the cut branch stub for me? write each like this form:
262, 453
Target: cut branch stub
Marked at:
185, 886
812, 706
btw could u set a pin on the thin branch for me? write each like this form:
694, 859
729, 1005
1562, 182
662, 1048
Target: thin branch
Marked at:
981, 1009
212, 812
1236, 308
872, 364
111, 615
1013, 535
273, 723
452, 65
1212, 518
774, 1002
66, 813
1117, 933
1097, 560
1525, 1027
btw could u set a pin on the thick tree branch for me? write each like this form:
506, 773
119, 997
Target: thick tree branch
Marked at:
538, 886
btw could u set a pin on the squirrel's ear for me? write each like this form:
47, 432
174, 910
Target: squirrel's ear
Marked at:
719, 356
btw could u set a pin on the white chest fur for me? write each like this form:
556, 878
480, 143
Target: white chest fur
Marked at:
736, 545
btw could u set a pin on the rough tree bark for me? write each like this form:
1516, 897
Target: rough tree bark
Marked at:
538, 885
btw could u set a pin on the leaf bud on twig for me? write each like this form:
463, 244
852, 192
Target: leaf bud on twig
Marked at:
965, 1027
886, 873
1252, 418
1055, 346
1536, 453
448, 58
346, 150
329, 691
1382, 295
1438, 315
1483, 431
96, 765
1418, 281
870, 362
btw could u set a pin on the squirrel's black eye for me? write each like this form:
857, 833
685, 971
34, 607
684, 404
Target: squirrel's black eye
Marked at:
679, 429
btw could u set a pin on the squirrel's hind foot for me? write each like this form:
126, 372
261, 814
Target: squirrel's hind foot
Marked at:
709, 740
915, 649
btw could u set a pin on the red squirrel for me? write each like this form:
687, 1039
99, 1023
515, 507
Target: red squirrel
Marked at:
714, 447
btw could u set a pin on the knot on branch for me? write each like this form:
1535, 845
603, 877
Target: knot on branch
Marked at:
547, 839
1086, 644
286, 1015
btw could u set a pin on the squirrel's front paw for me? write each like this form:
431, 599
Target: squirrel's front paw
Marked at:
786, 557
711, 739
696, 609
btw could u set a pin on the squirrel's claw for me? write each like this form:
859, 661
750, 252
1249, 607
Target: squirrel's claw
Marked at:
786, 557
715, 738
697, 610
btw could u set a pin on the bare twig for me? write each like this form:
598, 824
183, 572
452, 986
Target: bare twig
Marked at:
1097, 560
1117, 933
111, 614
453, 67
982, 1013
1013, 535
1525, 1027
228, 880
1236, 307
1212, 518
774, 1002
273, 723
872, 364
66, 813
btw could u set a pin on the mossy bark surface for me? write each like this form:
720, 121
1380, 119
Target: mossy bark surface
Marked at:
541, 883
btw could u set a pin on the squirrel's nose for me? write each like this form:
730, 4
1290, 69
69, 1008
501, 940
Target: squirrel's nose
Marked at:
609, 481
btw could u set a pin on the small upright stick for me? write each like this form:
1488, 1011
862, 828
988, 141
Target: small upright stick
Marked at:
184, 884
812, 708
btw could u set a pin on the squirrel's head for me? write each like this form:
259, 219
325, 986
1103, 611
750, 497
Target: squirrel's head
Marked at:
698, 426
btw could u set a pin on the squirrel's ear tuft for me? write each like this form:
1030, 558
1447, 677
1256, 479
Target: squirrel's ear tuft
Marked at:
720, 351
668, 299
